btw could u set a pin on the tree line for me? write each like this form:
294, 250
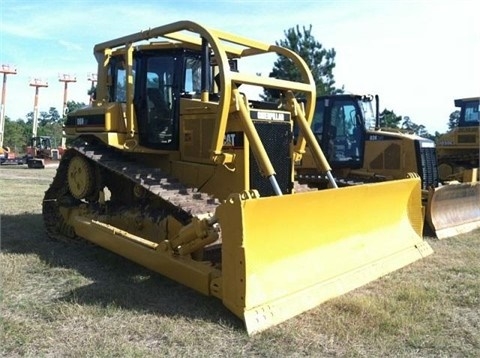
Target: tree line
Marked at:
17, 133
320, 60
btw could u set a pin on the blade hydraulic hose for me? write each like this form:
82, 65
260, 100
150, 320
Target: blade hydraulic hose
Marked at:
331, 179
275, 186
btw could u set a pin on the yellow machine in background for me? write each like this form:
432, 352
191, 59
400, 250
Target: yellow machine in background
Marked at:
176, 169
458, 150
359, 151
458, 162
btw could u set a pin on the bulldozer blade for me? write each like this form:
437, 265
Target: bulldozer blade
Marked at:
454, 209
284, 255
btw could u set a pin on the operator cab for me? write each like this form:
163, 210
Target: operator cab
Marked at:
41, 143
469, 112
340, 130
161, 77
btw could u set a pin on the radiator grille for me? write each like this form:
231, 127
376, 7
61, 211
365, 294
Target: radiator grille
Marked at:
427, 166
276, 138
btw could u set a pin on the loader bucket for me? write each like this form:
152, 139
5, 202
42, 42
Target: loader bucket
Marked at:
286, 254
454, 209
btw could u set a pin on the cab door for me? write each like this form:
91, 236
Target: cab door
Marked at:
156, 99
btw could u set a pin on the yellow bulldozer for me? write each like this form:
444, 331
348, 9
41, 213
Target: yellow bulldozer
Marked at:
458, 150
360, 151
175, 168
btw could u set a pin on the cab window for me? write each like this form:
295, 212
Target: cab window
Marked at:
117, 73
192, 83
471, 113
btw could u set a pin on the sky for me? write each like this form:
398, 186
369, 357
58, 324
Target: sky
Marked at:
417, 55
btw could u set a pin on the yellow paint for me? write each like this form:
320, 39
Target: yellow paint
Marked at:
284, 255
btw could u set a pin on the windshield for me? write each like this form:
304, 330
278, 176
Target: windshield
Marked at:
471, 117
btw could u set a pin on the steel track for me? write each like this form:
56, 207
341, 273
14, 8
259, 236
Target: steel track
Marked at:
176, 199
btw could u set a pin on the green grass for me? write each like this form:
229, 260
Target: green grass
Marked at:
77, 300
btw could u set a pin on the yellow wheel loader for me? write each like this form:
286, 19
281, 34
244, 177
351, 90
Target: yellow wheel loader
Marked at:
175, 168
359, 151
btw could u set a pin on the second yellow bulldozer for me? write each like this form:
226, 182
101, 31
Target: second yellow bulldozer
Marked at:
175, 168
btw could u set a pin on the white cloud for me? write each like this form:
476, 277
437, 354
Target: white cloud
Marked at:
20, 30
70, 46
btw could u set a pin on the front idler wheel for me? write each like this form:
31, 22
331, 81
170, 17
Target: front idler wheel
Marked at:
81, 178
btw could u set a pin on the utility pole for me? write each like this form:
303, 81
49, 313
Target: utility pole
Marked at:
92, 77
37, 83
6, 70
66, 79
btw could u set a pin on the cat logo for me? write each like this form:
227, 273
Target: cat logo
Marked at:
233, 140
229, 140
